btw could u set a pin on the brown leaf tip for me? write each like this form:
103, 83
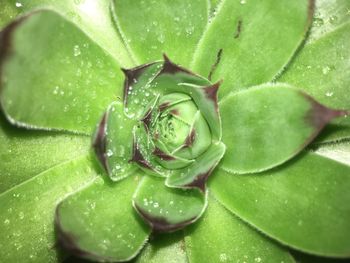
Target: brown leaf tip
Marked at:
319, 115
69, 242
131, 76
171, 68
200, 180
211, 93
138, 158
160, 224
190, 139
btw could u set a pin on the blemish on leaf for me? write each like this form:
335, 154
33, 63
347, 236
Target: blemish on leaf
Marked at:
238, 29
215, 65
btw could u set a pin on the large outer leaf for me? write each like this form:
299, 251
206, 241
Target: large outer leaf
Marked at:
304, 204
322, 70
151, 28
99, 223
267, 125
222, 237
92, 16
55, 81
27, 212
165, 248
24, 153
249, 42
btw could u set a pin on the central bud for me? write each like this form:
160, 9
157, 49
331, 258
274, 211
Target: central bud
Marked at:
168, 124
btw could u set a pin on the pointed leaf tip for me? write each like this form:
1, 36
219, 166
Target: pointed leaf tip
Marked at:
161, 224
270, 124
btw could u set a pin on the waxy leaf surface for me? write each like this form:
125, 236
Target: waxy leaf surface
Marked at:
24, 153
165, 248
249, 42
27, 212
99, 223
113, 142
92, 16
167, 209
171, 27
269, 124
221, 237
60, 81
304, 204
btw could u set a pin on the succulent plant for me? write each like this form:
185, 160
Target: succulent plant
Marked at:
174, 131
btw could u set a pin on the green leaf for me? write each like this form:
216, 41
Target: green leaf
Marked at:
329, 15
254, 43
173, 27
165, 248
60, 81
146, 82
24, 153
269, 124
196, 175
167, 209
321, 69
304, 204
27, 212
221, 237
92, 16
99, 223
113, 142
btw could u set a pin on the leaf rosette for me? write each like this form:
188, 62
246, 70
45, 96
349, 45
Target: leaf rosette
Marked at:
161, 136
169, 126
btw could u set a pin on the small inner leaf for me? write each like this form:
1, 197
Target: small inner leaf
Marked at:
113, 142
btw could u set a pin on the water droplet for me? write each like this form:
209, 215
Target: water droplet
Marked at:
76, 50
243, 2
18, 4
21, 215
318, 21
223, 257
258, 259
326, 70
333, 20
329, 93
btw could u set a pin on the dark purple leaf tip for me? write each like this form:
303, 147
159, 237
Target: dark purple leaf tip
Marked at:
191, 137
211, 93
200, 180
137, 157
162, 155
132, 76
160, 224
171, 68
99, 143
